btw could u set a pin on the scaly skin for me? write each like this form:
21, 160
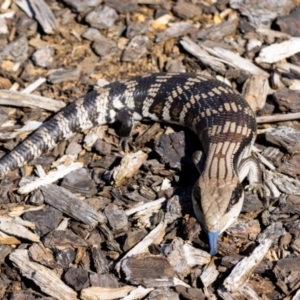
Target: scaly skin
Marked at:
220, 117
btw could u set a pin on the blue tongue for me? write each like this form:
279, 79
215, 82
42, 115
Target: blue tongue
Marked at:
213, 242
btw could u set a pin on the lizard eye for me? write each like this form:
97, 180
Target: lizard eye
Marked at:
236, 195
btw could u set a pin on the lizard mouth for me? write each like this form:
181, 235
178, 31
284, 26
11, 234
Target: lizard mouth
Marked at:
213, 241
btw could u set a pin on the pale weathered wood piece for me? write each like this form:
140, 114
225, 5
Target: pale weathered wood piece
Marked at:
13, 227
155, 236
102, 293
255, 91
278, 118
41, 12
14, 98
210, 273
129, 166
244, 269
238, 61
205, 58
51, 177
43, 277
139, 293
277, 52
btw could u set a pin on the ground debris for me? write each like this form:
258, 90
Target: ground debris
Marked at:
43, 277
101, 217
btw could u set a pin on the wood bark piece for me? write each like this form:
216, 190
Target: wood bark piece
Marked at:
293, 201
277, 52
147, 135
290, 23
155, 236
293, 84
245, 230
204, 57
286, 137
273, 232
12, 227
273, 33
291, 167
66, 202
183, 256
210, 274
45, 220
44, 278
163, 293
189, 292
3, 26
64, 240
5, 250
6, 239
234, 59
148, 205
134, 236
100, 261
278, 118
219, 31
285, 184
116, 217
288, 100
244, 269
80, 181
255, 91
283, 66
246, 293
33, 86
84, 252
153, 2
139, 293
176, 30
262, 12
41, 12
27, 129
62, 75
224, 294
101, 293
105, 48
104, 280
51, 177
143, 216
41, 254
135, 49
14, 98
187, 10
102, 17
83, 6
148, 270
176, 149
77, 278
16, 51
287, 271
43, 57
128, 167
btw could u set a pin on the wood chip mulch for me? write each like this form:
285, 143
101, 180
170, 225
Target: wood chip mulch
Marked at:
90, 221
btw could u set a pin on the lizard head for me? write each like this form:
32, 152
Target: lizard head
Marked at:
217, 204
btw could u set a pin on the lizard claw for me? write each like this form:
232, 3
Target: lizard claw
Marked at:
258, 188
126, 144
